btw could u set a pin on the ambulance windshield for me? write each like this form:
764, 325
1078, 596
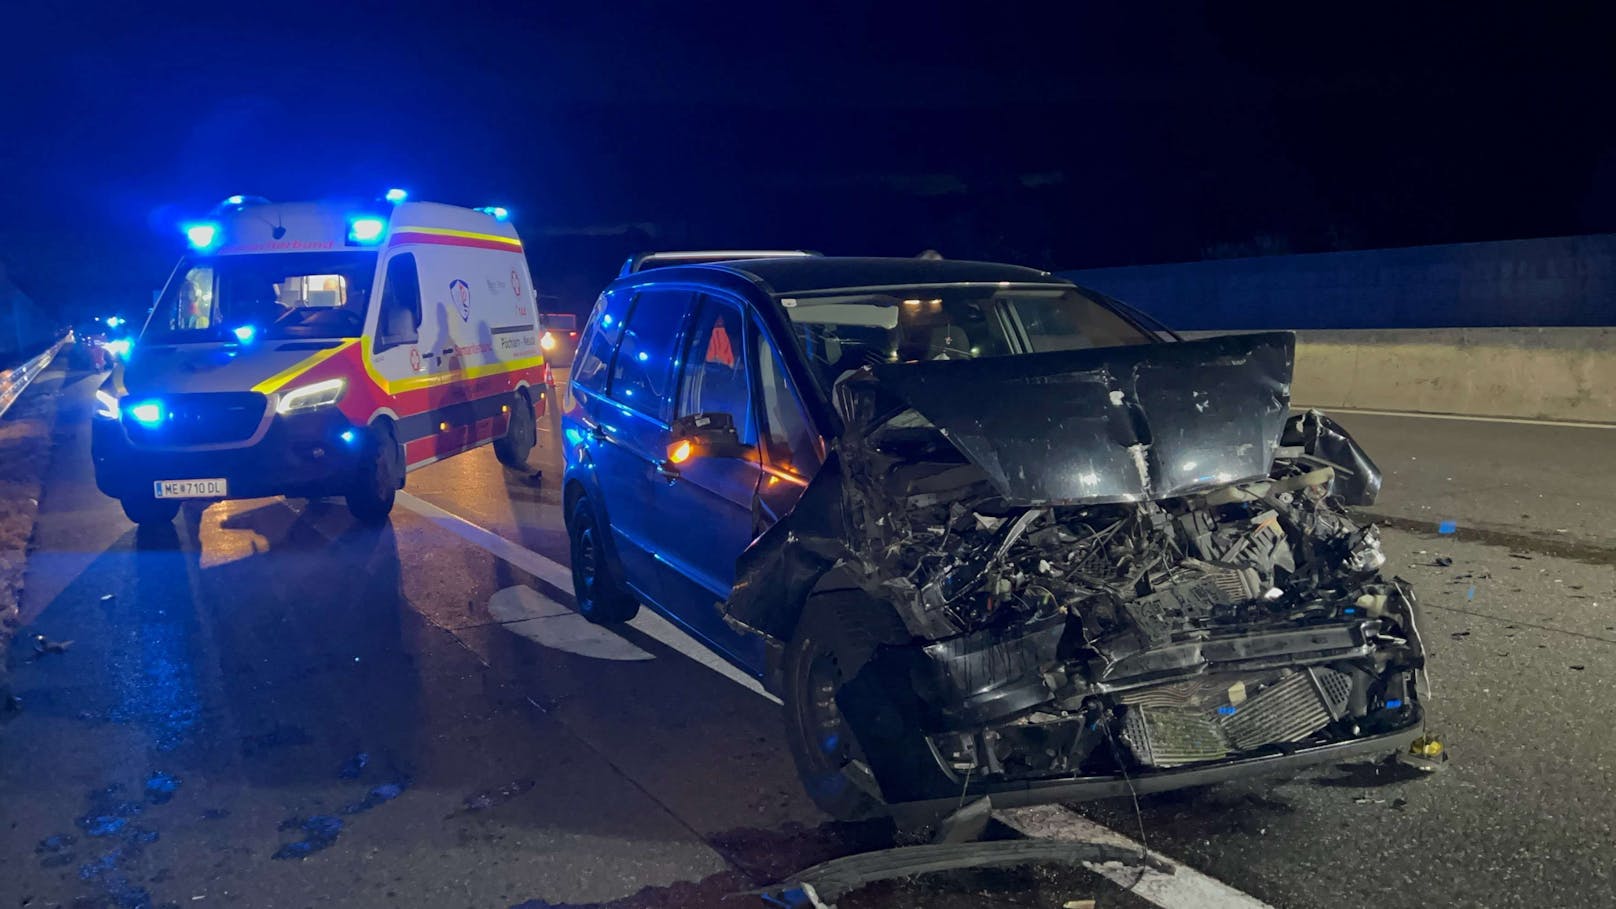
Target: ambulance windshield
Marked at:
274, 295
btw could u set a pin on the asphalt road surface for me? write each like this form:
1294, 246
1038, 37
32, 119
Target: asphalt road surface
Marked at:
269, 706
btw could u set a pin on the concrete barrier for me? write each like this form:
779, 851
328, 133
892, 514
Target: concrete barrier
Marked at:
1527, 373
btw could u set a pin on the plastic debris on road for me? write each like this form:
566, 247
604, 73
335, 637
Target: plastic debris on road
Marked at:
354, 766
1447, 527
160, 787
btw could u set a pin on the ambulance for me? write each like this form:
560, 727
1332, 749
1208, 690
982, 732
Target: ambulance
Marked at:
324, 349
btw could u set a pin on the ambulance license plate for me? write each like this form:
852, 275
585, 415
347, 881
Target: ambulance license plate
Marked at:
215, 488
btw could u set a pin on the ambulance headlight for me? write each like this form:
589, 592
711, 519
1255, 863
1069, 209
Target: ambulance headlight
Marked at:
118, 347
310, 397
106, 404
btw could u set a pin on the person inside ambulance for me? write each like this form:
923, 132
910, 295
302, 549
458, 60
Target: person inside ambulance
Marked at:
193, 305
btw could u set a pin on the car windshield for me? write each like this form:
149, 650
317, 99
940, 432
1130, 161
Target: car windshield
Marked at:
277, 295
844, 330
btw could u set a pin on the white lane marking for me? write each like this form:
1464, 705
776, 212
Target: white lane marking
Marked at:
1461, 417
540, 566
1182, 888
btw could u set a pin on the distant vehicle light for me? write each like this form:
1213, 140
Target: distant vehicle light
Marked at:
244, 333
497, 212
396, 196
547, 341
118, 347
202, 236
113, 321
366, 230
148, 413
106, 404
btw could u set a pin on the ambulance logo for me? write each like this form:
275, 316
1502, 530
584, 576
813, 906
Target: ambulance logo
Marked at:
516, 282
415, 359
460, 293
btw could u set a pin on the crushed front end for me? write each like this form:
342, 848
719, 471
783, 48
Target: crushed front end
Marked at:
1129, 564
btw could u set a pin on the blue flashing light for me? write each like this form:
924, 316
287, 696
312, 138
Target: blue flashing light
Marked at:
1394, 703
606, 320
348, 436
396, 196
147, 413
366, 230
1349, 610
497, 212
118, 347
1228, 710
236, 200
642, 356
244, 333
202, 235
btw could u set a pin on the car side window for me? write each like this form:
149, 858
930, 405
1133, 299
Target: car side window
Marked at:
600, 339
400, 319
713, 378
644, 361
787, 438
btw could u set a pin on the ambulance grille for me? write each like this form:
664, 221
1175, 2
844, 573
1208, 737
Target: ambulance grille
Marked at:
195, 420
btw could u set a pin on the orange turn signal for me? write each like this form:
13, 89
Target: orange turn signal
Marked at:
680, 453
547, 341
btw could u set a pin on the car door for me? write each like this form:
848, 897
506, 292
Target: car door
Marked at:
706, 505
790, 446
629, 426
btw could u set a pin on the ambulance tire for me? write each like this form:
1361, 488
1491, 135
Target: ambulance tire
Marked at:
148, 510
513, 448
380, 475
601, 597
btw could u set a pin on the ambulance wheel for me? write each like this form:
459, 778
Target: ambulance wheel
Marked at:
601, 599
148, 510
513, 448
381, 473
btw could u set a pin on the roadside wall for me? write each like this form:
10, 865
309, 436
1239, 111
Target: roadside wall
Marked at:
1530, 373
1512, 329
1555, 281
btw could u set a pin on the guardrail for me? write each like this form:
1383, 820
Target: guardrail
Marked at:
14, 381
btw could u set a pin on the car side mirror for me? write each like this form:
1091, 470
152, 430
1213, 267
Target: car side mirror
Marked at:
706, 435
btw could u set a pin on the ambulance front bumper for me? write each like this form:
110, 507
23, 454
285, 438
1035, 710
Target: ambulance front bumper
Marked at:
311, 455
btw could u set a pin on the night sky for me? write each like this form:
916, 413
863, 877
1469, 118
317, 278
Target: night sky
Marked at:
1065, 136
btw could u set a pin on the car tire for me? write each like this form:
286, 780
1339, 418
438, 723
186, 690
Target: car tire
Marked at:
521, 435
147, 511
836, 635
381, 474
602, 599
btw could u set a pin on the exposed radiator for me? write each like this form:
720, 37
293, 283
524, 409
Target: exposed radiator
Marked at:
1179, 724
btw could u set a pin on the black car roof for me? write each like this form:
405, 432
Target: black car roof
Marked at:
803, 274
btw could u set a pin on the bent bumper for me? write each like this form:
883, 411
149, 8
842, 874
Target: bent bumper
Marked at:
1042, 792
301, 455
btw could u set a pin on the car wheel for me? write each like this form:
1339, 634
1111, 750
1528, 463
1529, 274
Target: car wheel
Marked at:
149, 510
829, 646
381, 473
513, 448
601, 598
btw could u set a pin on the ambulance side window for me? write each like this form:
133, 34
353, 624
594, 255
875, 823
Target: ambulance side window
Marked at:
400, 318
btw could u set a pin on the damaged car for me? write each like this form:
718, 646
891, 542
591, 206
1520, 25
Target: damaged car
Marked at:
986, 534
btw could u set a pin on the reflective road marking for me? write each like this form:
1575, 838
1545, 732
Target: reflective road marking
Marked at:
558, 575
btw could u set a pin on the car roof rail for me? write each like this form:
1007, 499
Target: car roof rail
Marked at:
647, 260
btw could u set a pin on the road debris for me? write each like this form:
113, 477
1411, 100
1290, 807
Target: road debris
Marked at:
354, 766
488, 798
160, 787
319, 832
45, 646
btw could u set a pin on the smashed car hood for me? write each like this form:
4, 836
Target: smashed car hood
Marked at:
1117, 424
